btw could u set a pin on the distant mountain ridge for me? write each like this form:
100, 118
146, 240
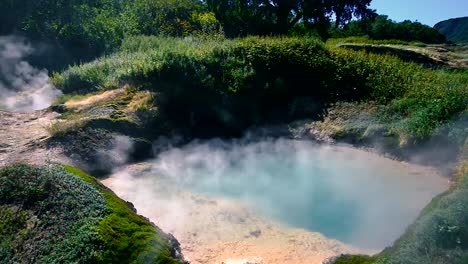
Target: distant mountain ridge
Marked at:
455, 29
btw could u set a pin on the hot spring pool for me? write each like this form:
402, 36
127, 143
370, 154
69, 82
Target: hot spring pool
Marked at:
358, 198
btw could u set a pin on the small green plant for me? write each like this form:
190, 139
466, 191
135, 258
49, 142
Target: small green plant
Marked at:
73, 122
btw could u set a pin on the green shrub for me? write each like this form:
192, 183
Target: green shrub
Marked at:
365, 40
383, 29
233, 84
349, 259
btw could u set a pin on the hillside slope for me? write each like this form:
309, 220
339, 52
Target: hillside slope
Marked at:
202, 89
76, 220
456, 29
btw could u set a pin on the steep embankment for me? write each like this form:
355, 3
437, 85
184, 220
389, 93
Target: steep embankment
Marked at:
455, 29
200, 88
76, 219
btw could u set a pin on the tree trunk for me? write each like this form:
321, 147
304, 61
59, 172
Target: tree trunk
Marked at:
282, 22
338, 18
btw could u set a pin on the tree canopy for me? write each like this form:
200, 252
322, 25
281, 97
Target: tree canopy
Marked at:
100, 25
384, 28
80, 30
83, 29
263, 17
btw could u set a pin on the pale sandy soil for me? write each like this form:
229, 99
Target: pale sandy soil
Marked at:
23, 137
222, 230
219, 230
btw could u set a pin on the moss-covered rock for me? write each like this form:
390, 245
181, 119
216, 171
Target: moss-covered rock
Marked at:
58, 214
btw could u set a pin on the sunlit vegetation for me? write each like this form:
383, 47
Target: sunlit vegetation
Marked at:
149, 68
81, 30
383, 28
122, 110
207, 81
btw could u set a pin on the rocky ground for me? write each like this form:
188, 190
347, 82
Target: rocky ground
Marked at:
23, 138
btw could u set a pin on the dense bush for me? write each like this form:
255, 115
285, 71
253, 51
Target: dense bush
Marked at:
232, 84
383, 28
82, 29
174, 18
75, 219
366, 40
202, 82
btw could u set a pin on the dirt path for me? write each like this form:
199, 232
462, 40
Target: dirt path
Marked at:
23, 137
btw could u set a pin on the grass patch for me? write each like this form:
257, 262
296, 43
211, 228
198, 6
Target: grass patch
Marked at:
114, 110
61, 127
69, 97
350, 259
364, 40
402, 52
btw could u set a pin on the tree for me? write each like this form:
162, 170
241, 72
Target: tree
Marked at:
383, 28
165, 17
345, 10
243, 17
79, 30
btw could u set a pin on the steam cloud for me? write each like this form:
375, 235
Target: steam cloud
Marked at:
347, 194
23, 88
118, 155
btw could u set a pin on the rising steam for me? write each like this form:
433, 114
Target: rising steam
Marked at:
347, 194
23, 88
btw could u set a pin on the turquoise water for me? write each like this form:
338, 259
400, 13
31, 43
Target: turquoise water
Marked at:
346, 194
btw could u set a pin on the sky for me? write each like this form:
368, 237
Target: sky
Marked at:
428, 12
